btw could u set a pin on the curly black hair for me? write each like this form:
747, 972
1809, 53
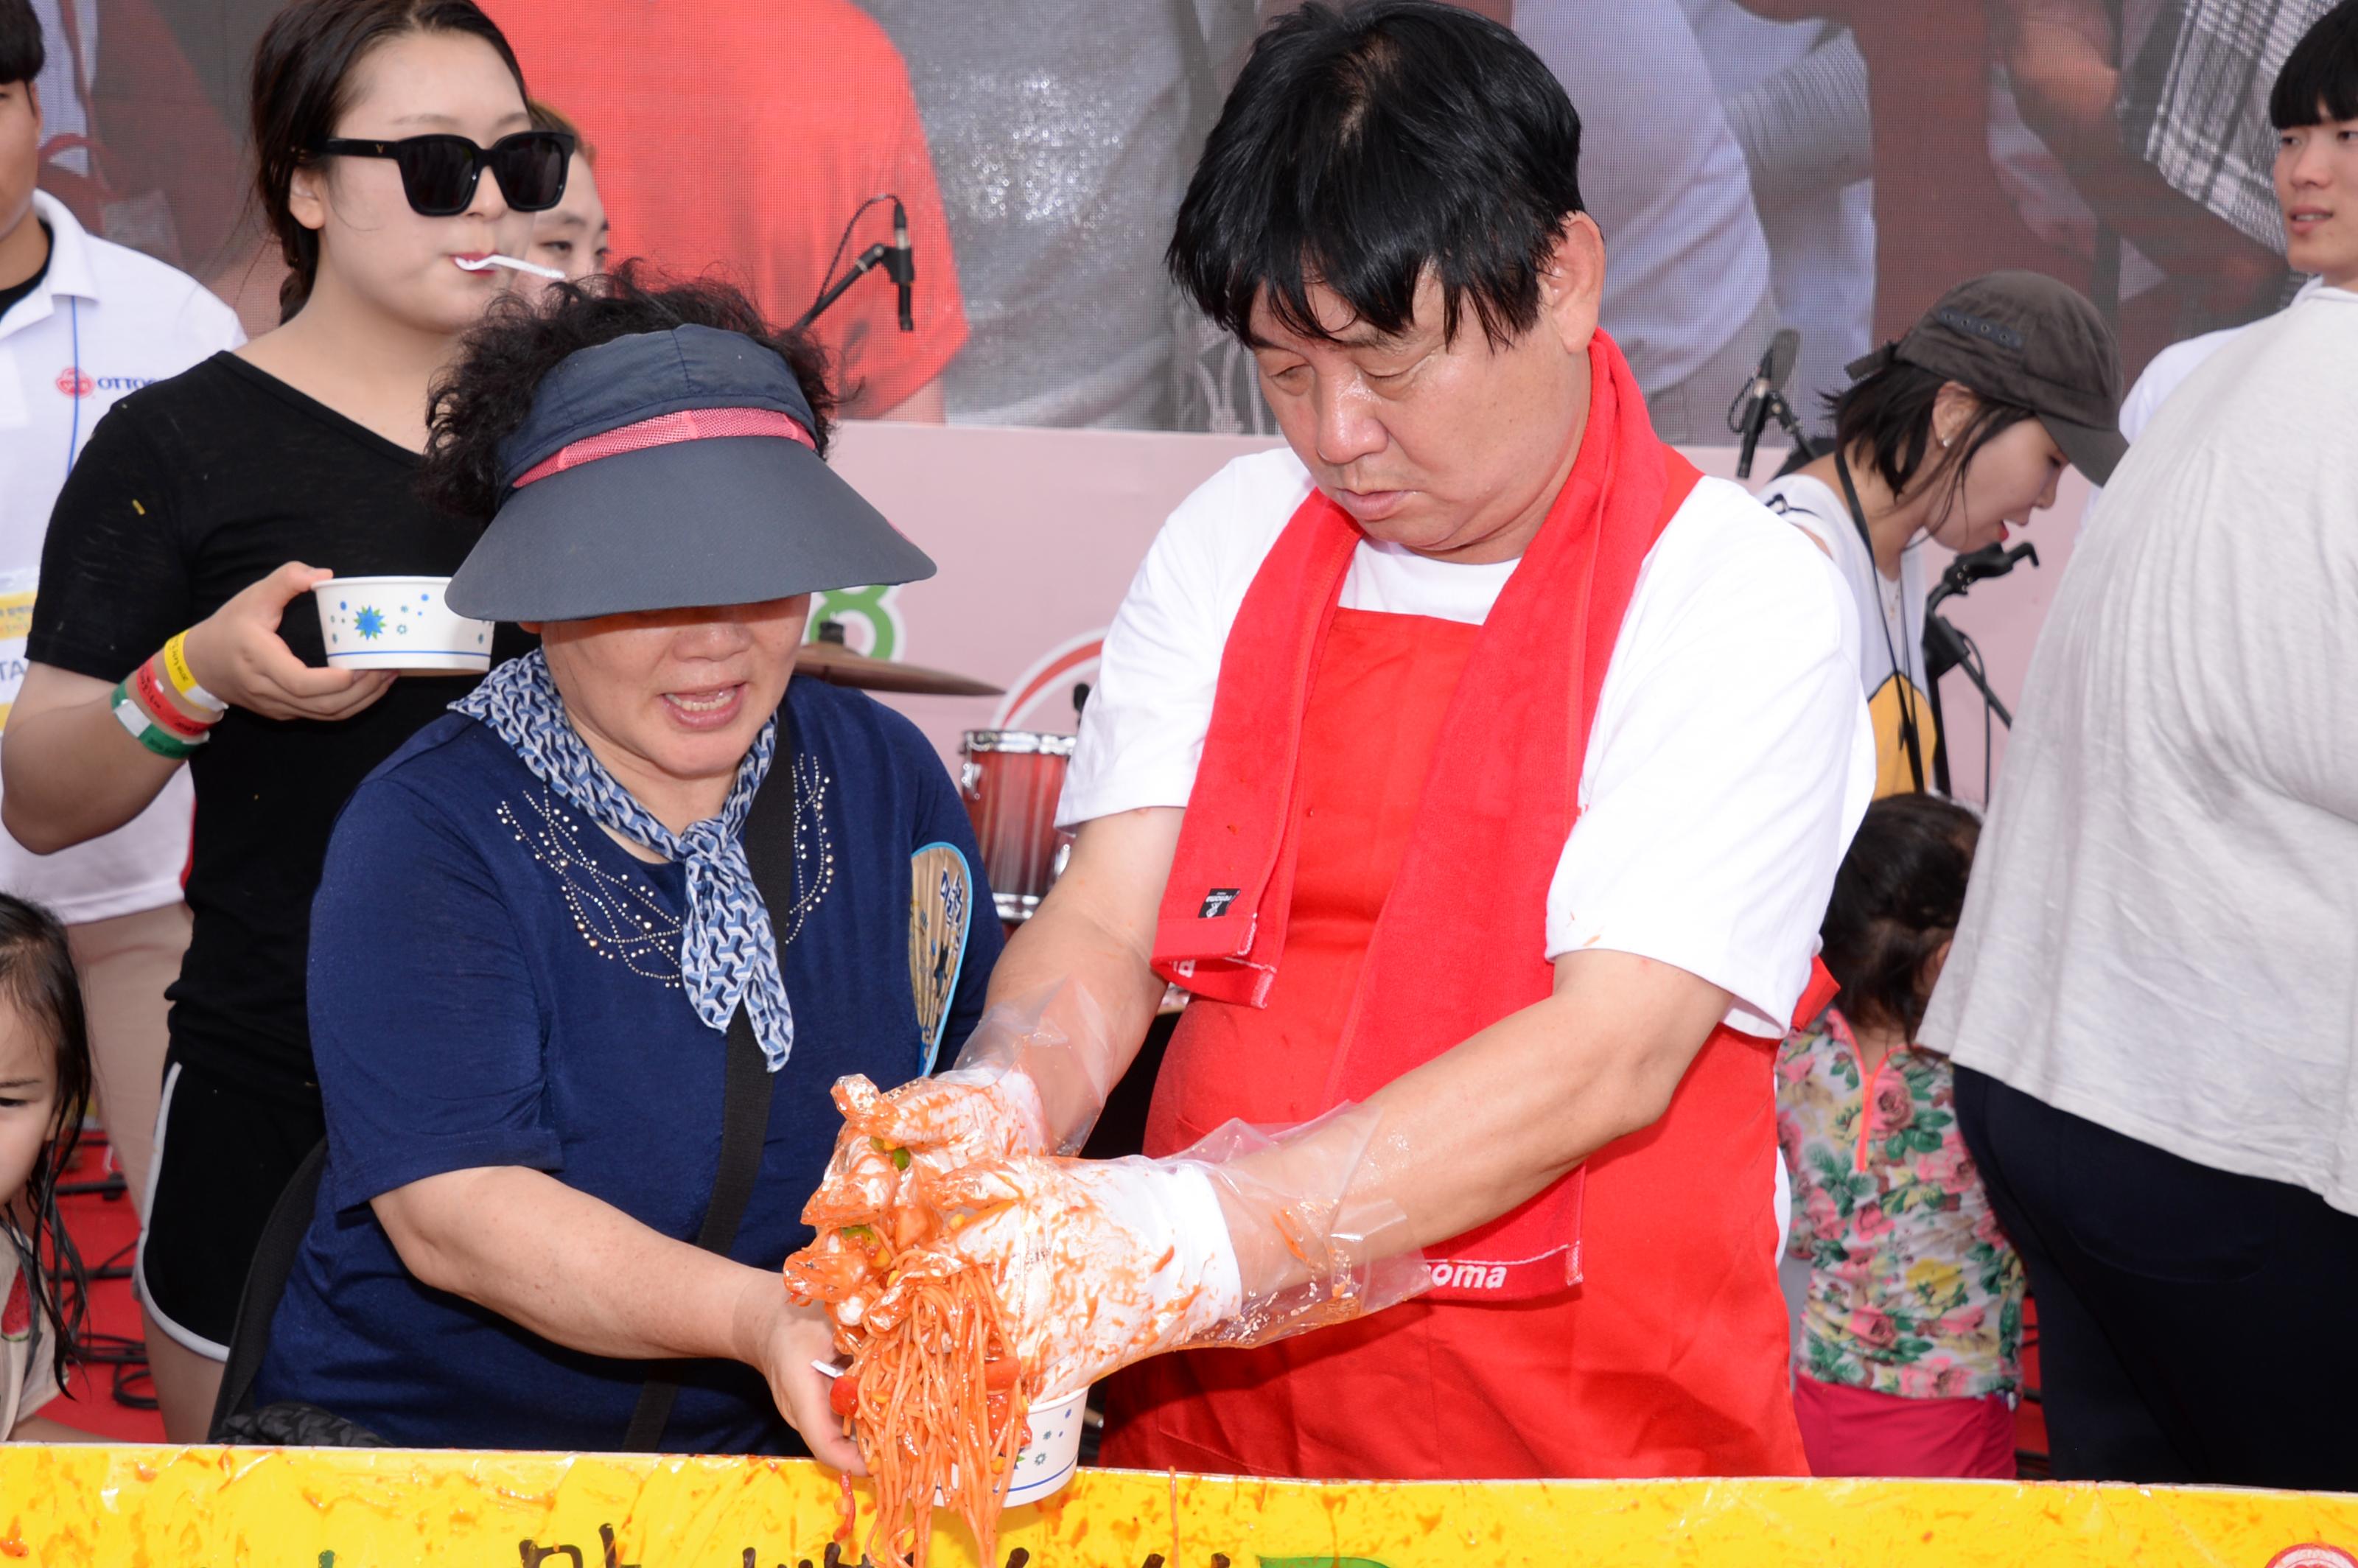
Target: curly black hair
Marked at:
477, 403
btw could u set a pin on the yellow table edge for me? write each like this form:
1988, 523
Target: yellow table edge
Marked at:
72, 1506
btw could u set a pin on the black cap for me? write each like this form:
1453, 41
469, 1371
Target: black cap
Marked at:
719, 519
2022, 337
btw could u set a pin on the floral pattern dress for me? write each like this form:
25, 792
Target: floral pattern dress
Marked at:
1914, 1289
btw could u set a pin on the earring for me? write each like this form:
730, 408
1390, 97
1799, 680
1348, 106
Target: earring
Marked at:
1944, 443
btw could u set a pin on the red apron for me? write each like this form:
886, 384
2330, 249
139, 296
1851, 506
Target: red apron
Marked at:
1669, 1359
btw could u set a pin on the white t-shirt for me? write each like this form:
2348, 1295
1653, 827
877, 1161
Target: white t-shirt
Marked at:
1686, 261
1890, 625
2165, 372
1727, 766
2163, 920
103, 321
2168, 369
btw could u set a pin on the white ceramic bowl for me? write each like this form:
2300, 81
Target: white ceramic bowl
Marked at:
399, 623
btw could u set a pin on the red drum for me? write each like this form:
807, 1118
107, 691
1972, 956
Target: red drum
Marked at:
1011, 781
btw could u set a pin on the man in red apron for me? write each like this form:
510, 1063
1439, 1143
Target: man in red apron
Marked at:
1482, 770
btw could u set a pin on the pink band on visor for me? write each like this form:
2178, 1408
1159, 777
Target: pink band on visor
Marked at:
669, 430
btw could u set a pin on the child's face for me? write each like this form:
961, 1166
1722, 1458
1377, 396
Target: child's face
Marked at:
29, 1092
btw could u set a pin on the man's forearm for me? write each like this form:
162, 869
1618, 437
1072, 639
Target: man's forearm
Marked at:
1089, 950
573, 1269
1479, 1129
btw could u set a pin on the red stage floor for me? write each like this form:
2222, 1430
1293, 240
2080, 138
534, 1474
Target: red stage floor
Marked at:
104, 1229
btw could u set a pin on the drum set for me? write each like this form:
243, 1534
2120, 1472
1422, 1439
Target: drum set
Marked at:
1011, 778
1012, 781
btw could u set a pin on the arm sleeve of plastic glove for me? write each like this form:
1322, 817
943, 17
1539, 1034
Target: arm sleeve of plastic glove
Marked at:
1050, 1056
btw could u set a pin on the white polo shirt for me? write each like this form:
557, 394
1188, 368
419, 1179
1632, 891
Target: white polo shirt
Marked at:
103, 321
1729, 763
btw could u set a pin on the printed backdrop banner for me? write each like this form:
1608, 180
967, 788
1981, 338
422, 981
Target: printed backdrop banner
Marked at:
1038, 533
1827, 165
103, 1507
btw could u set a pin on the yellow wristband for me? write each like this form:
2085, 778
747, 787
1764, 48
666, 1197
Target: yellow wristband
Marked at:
184, 679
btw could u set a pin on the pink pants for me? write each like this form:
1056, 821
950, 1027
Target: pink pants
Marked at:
1857, 1432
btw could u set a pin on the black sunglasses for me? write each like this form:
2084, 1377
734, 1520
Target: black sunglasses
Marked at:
439, 172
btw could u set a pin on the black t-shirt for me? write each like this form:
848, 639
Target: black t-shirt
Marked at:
189, 491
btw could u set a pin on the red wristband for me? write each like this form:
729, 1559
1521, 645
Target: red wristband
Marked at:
150, 691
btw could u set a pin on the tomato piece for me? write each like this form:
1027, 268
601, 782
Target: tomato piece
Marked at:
911, 1226
1001, 1373
843, 1399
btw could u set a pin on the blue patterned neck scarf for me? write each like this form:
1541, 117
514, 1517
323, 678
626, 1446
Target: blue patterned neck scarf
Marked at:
728, 953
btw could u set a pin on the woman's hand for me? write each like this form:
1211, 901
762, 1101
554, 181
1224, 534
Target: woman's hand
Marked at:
781, 1341
237, 654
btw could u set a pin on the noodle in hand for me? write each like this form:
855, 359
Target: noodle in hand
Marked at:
935, 1397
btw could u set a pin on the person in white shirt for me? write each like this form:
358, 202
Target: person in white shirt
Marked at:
82, 322
2151, 999
1955, 433
1688, 298
1481, 770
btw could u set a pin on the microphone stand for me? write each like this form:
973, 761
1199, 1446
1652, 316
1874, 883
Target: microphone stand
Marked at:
868, 260
1782, 412
1945, 648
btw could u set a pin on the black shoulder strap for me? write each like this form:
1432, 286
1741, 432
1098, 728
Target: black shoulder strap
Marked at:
265, 1281
747, 1079
1906, 694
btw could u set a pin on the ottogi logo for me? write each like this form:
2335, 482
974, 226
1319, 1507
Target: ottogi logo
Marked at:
1217, 901
124, 383
75, 382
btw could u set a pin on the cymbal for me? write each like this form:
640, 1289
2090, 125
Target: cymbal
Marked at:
829, 660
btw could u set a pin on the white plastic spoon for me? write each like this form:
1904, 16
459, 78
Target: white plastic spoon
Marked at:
533, 267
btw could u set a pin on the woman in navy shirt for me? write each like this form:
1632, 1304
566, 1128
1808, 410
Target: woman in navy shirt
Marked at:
538, 922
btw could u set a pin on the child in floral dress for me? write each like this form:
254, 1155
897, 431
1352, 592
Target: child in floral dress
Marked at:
1912, 1329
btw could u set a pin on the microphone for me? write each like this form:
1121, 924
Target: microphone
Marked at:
1768, 385
900, 263
1979, 566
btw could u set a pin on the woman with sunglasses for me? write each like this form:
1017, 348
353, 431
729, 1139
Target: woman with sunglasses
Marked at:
175, 621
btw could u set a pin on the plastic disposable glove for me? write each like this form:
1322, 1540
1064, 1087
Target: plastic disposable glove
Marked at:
1097, 1262
1245, 1239
1024, 1057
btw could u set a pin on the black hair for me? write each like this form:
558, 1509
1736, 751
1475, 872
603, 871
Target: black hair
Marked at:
1362, 147
22, 53
37, 983
1887, 413
548, 117
2319, 79
301, 86
484, 395
1896, 898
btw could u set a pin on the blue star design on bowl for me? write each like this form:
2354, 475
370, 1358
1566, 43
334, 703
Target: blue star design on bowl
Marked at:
369, 622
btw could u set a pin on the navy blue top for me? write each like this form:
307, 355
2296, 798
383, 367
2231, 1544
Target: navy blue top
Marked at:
462, 1017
